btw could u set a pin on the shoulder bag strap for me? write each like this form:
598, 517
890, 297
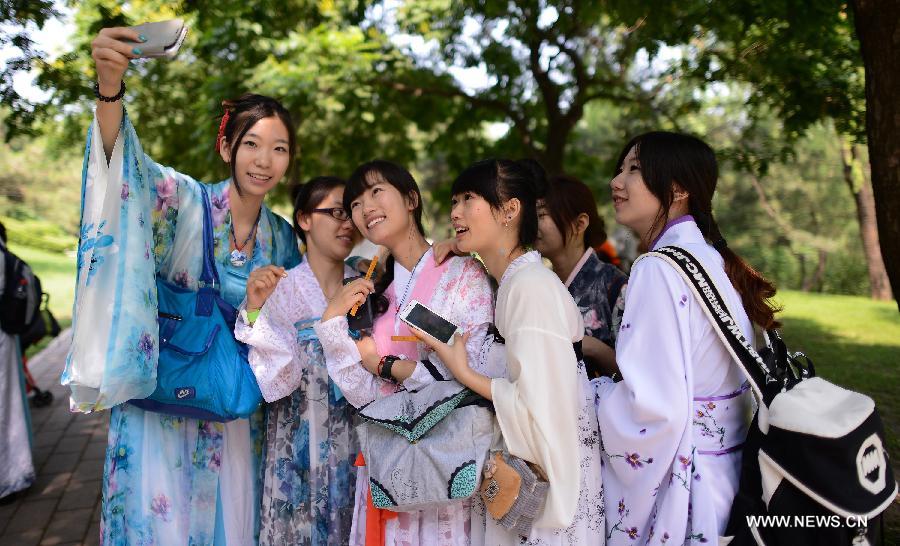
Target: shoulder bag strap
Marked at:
209, 276
208, 288
712, 303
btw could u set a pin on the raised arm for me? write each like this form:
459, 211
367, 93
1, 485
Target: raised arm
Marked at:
111, 56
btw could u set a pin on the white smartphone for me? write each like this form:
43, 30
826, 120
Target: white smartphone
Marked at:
417, 315
164, 38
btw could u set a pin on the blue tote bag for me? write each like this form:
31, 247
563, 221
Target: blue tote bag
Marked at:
203, 371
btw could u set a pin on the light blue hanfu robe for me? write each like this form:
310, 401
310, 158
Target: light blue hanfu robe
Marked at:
168, 480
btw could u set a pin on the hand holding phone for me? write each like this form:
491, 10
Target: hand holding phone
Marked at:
163, 38
420, 316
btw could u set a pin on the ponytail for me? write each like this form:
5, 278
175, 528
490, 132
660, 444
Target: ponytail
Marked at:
755, 290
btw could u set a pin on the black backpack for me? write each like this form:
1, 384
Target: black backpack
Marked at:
21, 298
814, 468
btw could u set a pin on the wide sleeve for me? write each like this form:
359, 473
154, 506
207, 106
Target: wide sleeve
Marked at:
538, 409
345, 363
128, 212
275, 356
643, 419
470, 301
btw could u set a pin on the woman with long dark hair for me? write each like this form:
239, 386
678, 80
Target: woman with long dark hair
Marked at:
545, 406
170, 480
386, 205
672, 429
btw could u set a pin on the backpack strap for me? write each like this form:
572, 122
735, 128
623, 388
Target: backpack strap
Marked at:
714, 306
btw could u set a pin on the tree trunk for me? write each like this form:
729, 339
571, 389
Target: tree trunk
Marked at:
554, 151
878, 30
861, 189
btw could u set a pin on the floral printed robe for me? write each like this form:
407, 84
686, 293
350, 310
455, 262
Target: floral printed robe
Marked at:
308, 473
672, 429
167, 480
598, 289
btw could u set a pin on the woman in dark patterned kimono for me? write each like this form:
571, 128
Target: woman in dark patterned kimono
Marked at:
568, 230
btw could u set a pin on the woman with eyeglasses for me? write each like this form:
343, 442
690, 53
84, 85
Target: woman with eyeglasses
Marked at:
308, 473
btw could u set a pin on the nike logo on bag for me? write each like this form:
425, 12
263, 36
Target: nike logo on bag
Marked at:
184, 393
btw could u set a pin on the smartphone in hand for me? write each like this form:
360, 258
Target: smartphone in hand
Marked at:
417, 315
164, 38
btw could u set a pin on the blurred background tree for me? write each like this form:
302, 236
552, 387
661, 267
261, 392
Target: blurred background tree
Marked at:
777, 87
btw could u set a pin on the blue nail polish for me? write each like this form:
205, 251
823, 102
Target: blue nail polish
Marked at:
136, 51
142, 38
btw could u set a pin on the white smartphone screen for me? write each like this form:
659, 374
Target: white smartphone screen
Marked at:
435, 325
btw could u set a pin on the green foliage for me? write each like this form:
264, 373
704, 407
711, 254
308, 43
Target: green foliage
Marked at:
800, 58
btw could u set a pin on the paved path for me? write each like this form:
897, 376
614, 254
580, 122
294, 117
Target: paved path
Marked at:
63, 505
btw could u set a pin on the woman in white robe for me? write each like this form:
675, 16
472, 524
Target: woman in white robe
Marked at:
672, 429
16, 466
545, 406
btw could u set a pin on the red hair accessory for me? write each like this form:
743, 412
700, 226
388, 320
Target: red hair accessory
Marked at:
221, 130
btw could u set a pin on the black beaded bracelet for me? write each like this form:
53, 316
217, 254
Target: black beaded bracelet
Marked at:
386, 367
118, 96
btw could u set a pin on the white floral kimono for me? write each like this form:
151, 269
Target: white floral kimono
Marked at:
672, 429
308, 474
545, 409
458, 290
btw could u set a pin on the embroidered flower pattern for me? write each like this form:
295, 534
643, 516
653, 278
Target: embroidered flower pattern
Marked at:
161, 507
707, 423
166, 191
182, 279
146, 345
634, 460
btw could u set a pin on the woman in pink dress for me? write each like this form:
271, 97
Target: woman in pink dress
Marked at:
386, 205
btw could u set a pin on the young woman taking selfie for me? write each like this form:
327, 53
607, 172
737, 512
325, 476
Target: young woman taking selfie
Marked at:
170, 480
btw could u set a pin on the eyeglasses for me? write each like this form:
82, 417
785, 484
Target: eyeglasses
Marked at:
338, 213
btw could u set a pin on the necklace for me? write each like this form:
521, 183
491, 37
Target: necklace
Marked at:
238, 256
412, 275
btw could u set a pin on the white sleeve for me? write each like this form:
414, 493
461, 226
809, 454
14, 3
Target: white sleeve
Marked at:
274, 356
643, 418
344, 362
538, 411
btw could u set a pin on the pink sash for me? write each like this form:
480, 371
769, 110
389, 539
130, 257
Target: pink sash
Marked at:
422, 290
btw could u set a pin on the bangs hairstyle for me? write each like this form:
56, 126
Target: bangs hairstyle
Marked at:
310, 195
380, 171
364, 177
243, 113
567, 198
667, 159
499, 180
